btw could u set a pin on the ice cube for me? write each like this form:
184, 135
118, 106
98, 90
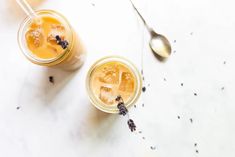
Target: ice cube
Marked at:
106, 95
34, 37
36, 23
56, 29
110, 74
127, 82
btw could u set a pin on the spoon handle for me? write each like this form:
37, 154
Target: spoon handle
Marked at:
142, 18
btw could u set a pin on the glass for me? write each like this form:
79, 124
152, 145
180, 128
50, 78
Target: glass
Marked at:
69, 58
110, 77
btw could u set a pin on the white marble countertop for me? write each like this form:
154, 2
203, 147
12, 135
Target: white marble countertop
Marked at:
38, 119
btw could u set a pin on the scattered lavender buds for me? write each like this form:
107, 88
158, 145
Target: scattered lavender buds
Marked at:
63, 43
131, 125
191, 120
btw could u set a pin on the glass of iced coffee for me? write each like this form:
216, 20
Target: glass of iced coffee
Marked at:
111, 77
49, 40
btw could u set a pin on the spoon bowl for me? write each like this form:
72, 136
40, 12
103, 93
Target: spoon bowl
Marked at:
160, 45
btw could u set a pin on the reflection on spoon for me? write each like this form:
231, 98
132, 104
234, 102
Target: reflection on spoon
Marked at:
158, 43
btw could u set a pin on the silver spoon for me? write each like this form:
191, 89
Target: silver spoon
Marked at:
158, 43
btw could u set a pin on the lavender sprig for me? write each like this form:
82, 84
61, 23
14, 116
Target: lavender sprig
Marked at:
122, 108
123, 111
131, 125
63, 43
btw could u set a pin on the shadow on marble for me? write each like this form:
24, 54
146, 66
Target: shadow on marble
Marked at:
94, 125
96, 117
101, 120
38, 89
60, 80
14, 12
159, 58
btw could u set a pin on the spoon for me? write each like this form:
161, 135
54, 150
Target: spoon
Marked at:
158, 43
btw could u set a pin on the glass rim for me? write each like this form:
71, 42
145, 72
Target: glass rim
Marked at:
102, 106
26, 51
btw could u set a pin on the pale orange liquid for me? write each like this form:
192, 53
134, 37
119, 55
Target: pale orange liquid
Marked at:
46, 48
112, 82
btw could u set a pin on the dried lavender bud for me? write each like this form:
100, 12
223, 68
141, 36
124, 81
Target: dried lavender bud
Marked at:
122, 108
191, 120
153, 147
51, 79
131, 125
144, 89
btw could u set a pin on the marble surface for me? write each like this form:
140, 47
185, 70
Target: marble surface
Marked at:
189, 103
